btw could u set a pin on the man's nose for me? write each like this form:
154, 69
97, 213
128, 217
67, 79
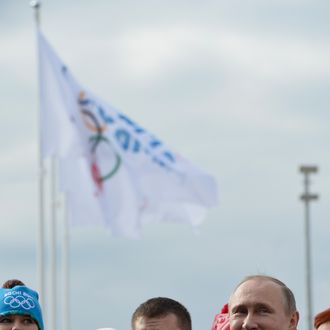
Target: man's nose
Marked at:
16, 325
249, 322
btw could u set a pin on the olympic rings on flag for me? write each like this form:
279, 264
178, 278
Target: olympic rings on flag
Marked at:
117, 161
92, 123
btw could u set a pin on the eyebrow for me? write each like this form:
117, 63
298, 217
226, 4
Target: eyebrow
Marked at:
237, 307
264, 305
254, 305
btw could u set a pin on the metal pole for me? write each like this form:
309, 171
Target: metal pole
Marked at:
41, 230
308, 258
36, 5
53, 255
306, 197
66, 272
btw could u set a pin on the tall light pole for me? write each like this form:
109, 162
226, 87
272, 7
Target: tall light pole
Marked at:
306, 197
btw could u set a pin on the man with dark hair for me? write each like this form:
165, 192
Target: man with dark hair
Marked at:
161, 314
262, 302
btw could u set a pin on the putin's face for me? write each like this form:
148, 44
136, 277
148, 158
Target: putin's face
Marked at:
259, 304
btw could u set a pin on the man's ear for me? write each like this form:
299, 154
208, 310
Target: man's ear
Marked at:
294, 320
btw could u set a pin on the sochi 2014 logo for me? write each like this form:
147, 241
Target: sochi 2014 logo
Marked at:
19, 301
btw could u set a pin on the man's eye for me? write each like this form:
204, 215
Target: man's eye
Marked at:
239, 311
28, 320
5, 320
263, 310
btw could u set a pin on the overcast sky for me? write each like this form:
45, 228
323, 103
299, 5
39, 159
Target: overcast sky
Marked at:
238, 87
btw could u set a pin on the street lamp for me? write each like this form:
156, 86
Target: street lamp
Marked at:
306, 197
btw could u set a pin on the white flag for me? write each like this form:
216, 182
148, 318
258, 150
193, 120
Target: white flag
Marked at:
113, 171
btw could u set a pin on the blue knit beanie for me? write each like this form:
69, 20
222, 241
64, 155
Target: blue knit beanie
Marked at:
21, 300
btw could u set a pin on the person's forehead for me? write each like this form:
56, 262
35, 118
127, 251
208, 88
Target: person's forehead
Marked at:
17, 315
167, 322
260, 283
256, 291
324, 326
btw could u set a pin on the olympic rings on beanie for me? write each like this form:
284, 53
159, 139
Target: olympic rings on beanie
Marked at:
23, 301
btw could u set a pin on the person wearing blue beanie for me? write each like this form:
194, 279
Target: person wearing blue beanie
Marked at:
19, 307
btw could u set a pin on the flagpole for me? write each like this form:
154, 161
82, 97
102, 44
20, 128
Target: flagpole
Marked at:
66, 271
53, 254
41, 230
41, 241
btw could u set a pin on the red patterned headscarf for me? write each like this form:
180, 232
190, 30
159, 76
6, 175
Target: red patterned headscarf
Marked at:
221, 320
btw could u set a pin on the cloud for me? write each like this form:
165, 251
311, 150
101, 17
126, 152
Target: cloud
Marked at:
148, 56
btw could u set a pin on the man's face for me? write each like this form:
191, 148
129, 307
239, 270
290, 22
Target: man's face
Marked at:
168, 322
324, 326
17, 321
259, 304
